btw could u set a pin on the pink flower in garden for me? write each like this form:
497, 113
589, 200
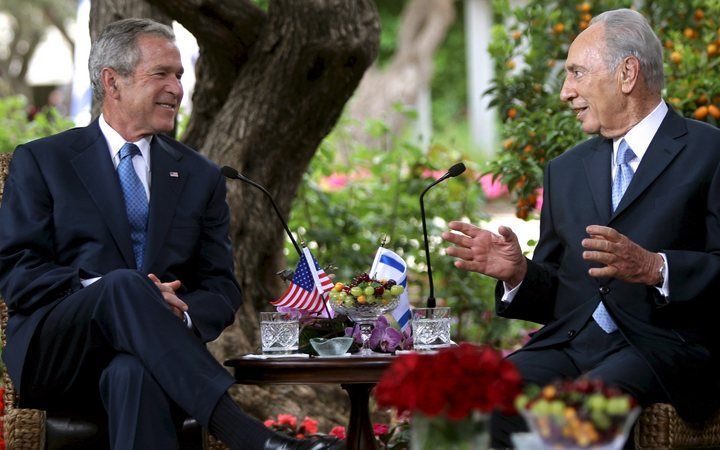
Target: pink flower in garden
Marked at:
334, 182
492, 188
268, 423
309, 425
338, 432
287, 419
427, 173
380, 429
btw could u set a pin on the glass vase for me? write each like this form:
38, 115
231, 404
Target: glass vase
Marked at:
435, 433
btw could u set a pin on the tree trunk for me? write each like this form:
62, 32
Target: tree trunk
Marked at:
423, 27
270, 86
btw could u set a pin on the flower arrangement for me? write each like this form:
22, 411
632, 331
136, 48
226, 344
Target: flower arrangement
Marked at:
287, 424
451, 383
580, 413
383, 338
386, 436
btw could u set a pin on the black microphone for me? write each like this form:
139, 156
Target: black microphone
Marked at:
454, 171
229, 172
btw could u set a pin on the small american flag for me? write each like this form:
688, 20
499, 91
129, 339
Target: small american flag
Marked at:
308, 286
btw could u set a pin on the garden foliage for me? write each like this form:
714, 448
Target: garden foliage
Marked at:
346, 207
16, 127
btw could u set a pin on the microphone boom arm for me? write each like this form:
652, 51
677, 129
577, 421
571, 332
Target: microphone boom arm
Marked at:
229, 172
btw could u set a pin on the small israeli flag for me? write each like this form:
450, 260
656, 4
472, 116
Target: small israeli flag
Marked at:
389, 265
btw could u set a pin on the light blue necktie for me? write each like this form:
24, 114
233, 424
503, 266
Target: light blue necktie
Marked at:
136, 202
623, 176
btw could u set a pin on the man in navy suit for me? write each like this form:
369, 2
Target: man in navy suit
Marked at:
115, 261
625, 273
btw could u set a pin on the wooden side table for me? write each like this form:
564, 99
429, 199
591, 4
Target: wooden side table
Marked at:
356, 375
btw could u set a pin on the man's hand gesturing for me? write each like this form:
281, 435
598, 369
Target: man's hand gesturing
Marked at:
623, 259
495, 255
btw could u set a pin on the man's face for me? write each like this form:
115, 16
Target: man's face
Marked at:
149, 98
591, 89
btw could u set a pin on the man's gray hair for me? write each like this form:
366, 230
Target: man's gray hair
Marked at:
117, 49
628, 33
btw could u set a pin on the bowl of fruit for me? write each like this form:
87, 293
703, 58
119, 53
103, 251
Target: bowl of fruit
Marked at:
580, 414
363, 300
365, 297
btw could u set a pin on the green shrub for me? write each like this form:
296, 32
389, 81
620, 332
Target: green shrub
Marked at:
345, 208
16, 128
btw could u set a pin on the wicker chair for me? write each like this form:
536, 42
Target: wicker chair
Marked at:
660, 427
34, 429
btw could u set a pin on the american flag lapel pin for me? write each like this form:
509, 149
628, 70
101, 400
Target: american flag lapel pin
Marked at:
174, 175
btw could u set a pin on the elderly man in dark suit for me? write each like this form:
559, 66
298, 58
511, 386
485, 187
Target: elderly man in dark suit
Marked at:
115, 261
625, 273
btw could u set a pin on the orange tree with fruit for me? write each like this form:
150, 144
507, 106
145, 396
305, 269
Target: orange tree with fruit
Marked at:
528, 48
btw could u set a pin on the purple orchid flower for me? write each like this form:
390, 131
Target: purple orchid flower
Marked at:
354, 331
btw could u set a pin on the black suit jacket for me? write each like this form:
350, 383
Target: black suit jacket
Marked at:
63, 219
672, 205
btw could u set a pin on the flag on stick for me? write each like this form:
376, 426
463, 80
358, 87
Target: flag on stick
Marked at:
389, 265
308, 286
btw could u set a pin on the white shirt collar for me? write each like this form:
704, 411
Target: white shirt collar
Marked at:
640, 136
115, 143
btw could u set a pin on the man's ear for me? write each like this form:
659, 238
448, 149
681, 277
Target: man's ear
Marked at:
629, 74
109, 78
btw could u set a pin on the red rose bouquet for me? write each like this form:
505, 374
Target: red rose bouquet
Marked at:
451, 383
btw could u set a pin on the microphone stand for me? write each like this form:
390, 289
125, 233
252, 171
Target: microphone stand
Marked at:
229, 172
454, 171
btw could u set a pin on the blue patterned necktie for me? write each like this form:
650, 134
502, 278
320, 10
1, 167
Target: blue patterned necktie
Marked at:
623, 176
136, 202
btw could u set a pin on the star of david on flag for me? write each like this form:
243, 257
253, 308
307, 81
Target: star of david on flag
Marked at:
388, 265
308, 286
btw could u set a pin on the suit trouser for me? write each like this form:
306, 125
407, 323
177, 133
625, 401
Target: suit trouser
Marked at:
118, 341
592, 353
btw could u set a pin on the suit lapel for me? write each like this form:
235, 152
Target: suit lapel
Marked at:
662, 150
597, 170
167, 180
97, 173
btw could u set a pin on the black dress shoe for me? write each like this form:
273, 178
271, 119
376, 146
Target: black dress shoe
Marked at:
317, 443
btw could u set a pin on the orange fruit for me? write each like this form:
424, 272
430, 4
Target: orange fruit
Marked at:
512, 112
701, 113
586, 17
714, 111
703, 99
712, 49
585, 7
676, 57
528, 148
669, 44
559, 27
699, 14
507, 143
516, 34
583, 24
689, 33
675, 101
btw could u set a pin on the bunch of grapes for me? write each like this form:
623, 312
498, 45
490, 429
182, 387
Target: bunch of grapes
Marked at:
581, 413
363, 290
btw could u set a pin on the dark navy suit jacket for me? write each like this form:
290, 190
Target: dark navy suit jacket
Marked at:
63, 219
673, 206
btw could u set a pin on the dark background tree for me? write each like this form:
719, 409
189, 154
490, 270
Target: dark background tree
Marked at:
270, 86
